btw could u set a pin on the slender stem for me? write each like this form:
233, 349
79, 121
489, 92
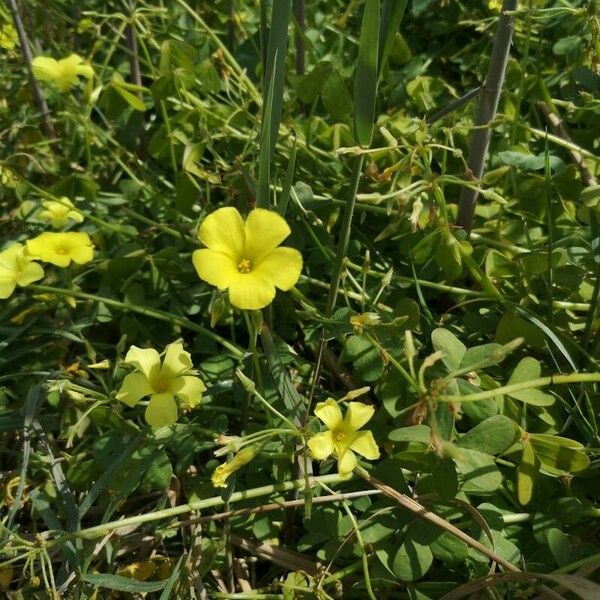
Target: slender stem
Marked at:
27, 57
142, 310
344, 240
299, 14
454, 105
169, 513
524, 385
488, 106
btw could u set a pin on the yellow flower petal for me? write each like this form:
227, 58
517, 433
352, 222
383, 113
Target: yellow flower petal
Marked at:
223, 231
17, 268
321, 445
346, 463
189, 389
282, 266
161, 410
176, 361
61, 248
217, 268
265, 230
250, 291
7, 287
358, 414
45, 68
364, 443
32, 272
145, 360
329, 412
135, 386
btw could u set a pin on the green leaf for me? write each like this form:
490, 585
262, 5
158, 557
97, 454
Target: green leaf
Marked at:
365, 80
125, 90
526, 474
445, 481
366, 359
449, 549
480, 475
559, 455
392, 12
559, 545
492, 436
122, 584
414, 433
412, 561
452, 349
529, 369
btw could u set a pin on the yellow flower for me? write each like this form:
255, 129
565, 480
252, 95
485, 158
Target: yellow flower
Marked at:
8, 36
16, 268
64, 72
61, 248
174, 378
58, 212
243, 457
245, 258
343, 437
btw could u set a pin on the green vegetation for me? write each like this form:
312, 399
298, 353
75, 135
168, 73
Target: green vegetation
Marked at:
299, 299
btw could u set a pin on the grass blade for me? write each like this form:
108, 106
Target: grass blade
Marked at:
365, 82
274, 74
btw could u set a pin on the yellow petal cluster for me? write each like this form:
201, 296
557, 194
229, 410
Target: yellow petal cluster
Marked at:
222, 472
59, 212
164, 382
343, 438
246, 258
61, 248
17, 269
64, 72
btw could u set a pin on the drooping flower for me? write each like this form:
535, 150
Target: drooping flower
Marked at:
64, 72
58, 212
343, 437
17, 269
61, 248
174, 378
245, 258
243, 457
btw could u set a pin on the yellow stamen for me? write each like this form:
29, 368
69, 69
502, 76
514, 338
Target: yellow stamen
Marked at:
339, 436
244, 266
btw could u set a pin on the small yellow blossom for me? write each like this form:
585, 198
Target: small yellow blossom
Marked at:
174, 378
58, 212
243, 457
61, 248
8, 37
343, 437
64, 72
16, 268
245, 258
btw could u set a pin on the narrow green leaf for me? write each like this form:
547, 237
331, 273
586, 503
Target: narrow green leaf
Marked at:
365, 81
122, 584
287, 183
272, 95
392, 12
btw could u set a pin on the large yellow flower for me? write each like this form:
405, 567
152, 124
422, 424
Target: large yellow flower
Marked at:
58, 212
17, 269
61, 248
174, 378
64, 72
343, 437
245, 258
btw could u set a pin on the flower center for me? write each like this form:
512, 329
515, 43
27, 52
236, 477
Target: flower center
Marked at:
339, 436
61, 251
244, 266
160, 386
